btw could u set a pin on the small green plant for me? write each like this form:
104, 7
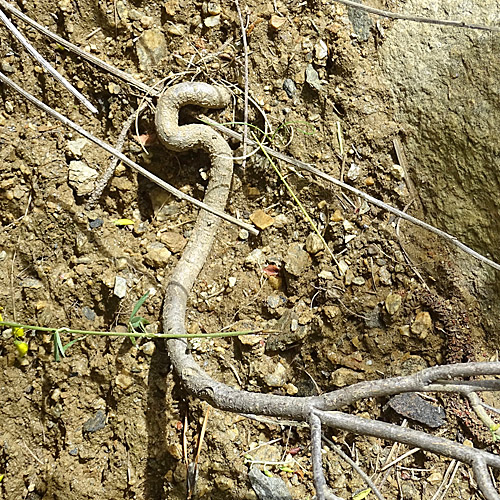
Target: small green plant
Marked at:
137, 324
136, 329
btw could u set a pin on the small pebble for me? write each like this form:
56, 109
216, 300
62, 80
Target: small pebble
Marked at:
353, 172
255, 257
75, 147
321, 52
261, 219
312, 77
343, 267
231, 281
290, 88
81, 177
213, 8
211, 21
276, 22
148, 348
326, 275
120, 289
314, 244
277, 378
88, 313
123, 381
297, 260
337, 216
358, 280
96, 223
95, 423
393, 302
158, 257
175, 242
243, 234
398, 172
422, 324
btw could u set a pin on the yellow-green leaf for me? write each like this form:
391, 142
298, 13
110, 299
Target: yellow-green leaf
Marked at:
1, 318
362, 494
123, 222
18, 332
267, 473
1, 475
22, 348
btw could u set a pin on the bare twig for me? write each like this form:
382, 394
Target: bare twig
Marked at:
245, 77
176, 192
309, 168
418, 19
38, 57
104, 178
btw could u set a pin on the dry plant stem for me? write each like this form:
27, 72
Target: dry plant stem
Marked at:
407, 17
306, 409
70, 46
177, 193
105, 177
245, 76
308, 168
38, 57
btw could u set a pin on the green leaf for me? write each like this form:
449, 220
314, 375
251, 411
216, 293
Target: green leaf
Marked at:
139, 304
123, 222
69, 344
362, 494
58, 347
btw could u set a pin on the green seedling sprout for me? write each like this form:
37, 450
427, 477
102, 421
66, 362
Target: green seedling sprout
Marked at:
137, 324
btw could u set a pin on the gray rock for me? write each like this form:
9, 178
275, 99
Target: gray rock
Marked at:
31, 283
81, 177
289, 87
151, 49
95, 423
89, 313
361, 22
268, 488
411, 405
276, 300
291, 332
312, 78
444, 87
297, 260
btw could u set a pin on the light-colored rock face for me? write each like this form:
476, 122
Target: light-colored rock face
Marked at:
446, 83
